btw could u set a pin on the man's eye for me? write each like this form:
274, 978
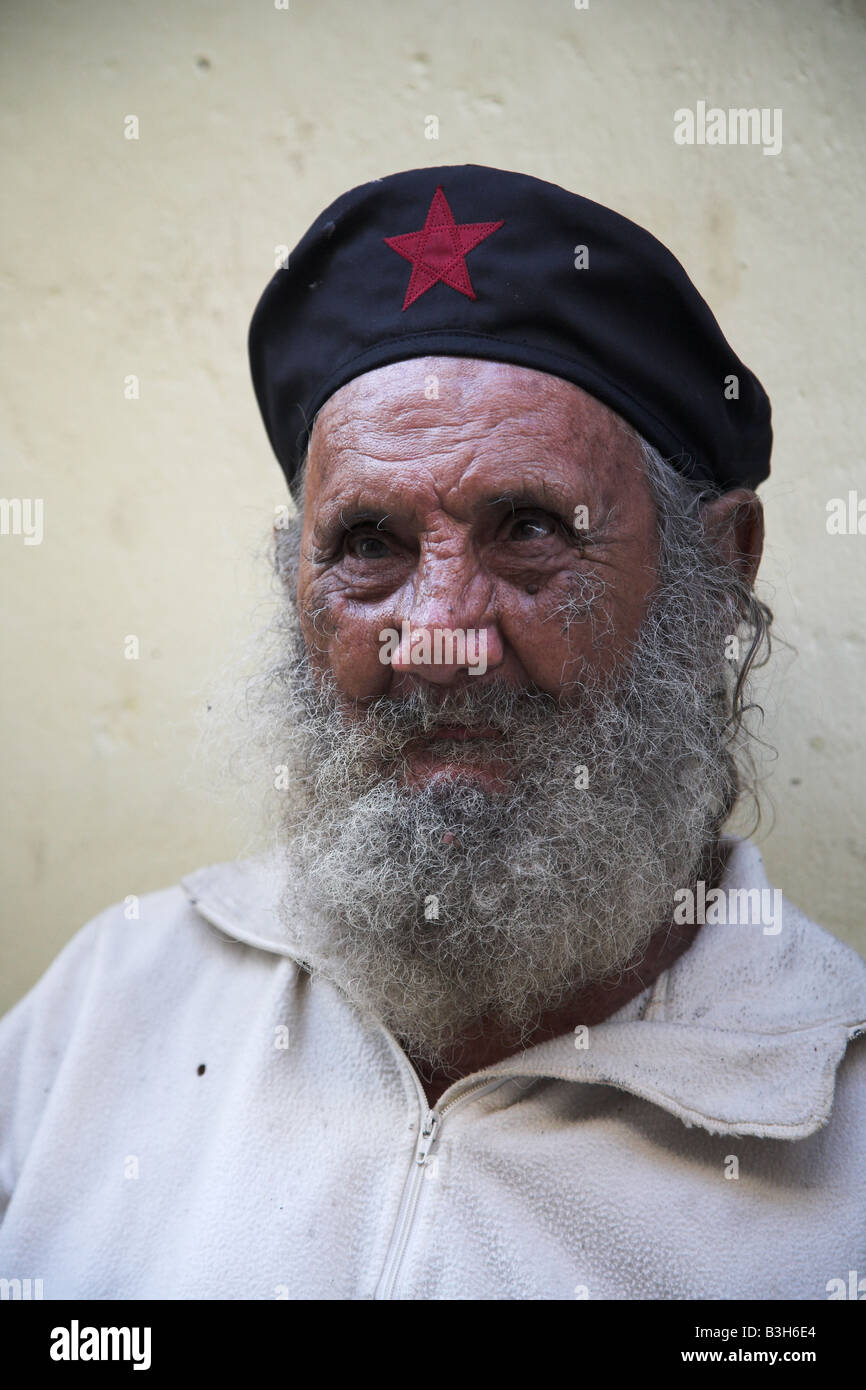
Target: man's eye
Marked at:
531, 528
367, 547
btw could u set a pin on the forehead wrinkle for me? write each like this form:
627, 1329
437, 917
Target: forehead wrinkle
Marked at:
579, 430
388, 437
534, 478
566, 478
363, 495
479, 483
548, 427
476, 396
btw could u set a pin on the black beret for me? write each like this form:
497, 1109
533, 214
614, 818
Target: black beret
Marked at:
464, 260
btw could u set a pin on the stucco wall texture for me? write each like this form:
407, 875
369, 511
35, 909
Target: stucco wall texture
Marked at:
146, 256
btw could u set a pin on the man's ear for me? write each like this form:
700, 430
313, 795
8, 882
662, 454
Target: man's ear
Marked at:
734, 527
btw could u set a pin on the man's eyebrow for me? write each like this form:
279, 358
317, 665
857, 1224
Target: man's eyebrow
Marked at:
331, 524
335, 520
560, 499
538, 494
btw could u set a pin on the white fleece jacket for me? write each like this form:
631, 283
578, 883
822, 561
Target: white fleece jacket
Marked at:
188, 1112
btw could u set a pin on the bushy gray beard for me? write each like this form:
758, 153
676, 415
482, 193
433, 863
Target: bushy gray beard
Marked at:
447, 907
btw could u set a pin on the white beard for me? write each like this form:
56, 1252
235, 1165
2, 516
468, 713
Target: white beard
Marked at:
446, 904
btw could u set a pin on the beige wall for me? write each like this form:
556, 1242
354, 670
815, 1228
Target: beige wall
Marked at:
146, 257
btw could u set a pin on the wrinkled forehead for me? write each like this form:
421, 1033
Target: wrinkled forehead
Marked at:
454, 421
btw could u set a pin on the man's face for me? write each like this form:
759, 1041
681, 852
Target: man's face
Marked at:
473, 847
457, 513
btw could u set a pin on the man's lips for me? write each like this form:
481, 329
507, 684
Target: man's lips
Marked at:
427, 756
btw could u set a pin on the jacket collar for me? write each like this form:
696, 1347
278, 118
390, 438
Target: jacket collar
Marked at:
742, 1035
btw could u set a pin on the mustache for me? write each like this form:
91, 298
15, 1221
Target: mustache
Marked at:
497, 708
395, 721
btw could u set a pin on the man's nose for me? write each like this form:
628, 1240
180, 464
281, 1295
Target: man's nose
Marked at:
442, 654
448, 631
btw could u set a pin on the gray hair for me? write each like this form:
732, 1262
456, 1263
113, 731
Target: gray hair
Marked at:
683, 548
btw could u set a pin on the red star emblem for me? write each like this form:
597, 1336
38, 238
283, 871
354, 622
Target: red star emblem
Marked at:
439, 250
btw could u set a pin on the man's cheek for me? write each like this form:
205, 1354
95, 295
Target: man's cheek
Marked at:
322, 612
561, 644
357, 654
548, 648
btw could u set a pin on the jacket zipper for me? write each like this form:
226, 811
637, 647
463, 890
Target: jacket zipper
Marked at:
431, 1126
431, 1129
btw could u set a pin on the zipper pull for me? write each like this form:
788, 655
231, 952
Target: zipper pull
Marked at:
427, 1137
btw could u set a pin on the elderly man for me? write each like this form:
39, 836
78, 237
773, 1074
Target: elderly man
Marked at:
505, 1014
